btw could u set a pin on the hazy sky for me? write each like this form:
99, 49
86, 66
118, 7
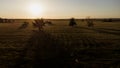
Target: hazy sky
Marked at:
60, 8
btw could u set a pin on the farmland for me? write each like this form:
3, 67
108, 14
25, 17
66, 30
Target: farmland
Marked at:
60, 45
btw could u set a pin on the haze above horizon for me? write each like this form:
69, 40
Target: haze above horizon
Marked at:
59, 8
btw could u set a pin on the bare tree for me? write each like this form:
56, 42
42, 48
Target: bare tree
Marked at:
39, 23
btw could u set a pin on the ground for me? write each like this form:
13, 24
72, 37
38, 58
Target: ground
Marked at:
59, 45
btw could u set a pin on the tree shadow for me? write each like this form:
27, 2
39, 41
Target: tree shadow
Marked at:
43, 50
102, 30
24, 25
109, 29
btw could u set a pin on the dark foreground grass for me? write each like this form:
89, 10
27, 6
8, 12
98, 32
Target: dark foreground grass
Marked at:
60, 46
43, 51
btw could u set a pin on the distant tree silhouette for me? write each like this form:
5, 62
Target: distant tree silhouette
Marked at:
89, 22
1, 20
48, 22
107, 20
39, 23
72, 22
24, 25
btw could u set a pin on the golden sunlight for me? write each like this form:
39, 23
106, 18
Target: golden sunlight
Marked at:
35, 10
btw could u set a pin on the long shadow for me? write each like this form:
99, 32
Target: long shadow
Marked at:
101, 31
43, 51
23, 26
109, 29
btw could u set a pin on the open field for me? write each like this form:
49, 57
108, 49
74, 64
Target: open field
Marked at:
60, 46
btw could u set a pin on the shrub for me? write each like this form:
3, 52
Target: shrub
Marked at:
72, 22
89, 22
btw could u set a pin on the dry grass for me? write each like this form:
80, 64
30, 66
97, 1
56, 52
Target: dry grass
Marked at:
97, 46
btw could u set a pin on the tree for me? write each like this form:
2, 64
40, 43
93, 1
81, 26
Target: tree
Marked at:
89, 22
72, 22
39, 23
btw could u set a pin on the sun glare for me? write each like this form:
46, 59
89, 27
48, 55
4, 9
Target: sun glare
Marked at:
35, 10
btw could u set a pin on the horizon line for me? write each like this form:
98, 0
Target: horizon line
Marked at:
62, 18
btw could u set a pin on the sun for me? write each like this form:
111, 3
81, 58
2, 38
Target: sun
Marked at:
35, 10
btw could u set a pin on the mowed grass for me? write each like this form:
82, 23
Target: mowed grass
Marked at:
102, 32
88, 46
12, 43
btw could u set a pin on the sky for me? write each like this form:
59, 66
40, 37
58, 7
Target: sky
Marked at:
59, 8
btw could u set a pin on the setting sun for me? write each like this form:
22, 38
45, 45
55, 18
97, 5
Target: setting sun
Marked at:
35, 10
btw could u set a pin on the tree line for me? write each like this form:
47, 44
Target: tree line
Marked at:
2, 20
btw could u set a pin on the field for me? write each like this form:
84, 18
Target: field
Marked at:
59, 45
